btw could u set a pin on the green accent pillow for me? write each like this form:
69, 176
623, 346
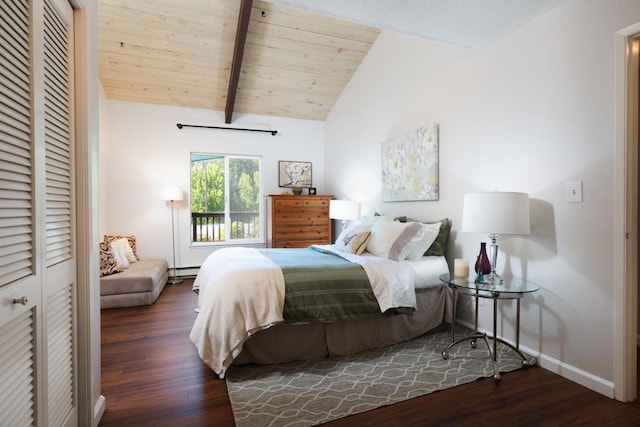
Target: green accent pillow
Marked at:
439, 245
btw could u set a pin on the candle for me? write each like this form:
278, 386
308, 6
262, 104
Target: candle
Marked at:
461, 268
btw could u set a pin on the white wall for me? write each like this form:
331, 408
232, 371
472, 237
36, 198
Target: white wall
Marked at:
144, 150
529, 113
103, 150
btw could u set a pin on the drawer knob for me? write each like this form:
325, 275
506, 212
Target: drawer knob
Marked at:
22, 300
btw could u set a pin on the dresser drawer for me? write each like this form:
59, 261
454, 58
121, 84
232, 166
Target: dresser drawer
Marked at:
302, 218
292, 204
299, 243
318, 233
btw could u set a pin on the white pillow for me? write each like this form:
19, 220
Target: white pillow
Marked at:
370, 220
353, 239
423, 239
119, 255
388, 238
126, 247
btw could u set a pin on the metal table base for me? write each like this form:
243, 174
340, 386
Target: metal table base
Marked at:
493, 349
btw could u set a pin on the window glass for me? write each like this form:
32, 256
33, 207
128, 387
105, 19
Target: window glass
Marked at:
225, 198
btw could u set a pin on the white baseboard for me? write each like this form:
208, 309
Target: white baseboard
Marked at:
185, 272
565, 370
98, 410
574, 374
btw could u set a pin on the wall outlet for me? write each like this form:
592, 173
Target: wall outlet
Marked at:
574, 191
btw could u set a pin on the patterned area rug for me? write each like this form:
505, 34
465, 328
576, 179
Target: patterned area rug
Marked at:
316, 391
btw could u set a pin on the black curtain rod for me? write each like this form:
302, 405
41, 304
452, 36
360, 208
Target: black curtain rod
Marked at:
180, 126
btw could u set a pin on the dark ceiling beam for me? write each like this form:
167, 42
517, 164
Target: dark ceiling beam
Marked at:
238, 51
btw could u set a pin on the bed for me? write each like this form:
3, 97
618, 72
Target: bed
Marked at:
359, 293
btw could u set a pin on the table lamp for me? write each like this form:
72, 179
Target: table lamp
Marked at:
345, 210
496, 213
173, 194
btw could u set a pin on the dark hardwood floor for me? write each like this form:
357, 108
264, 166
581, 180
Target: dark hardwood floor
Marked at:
152, 376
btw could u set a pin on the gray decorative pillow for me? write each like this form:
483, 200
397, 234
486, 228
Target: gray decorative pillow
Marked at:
415, 249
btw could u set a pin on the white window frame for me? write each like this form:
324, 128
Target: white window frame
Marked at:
227, 204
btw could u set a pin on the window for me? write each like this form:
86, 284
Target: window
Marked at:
225, 199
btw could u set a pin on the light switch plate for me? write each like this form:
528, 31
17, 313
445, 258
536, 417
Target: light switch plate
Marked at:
574, 191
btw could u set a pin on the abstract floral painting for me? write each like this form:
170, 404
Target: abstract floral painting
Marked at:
294, 174
410, 166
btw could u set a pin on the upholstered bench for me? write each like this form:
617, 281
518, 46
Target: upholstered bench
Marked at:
140, 284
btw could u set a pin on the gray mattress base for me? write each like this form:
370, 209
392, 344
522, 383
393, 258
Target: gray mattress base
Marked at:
288, 342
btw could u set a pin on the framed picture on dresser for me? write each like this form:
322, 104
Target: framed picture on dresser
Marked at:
294, 174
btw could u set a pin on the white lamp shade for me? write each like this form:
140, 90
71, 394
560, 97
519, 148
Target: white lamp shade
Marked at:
496, 212
344, 209
172, 193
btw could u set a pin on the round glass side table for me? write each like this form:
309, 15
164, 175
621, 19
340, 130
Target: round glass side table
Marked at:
506, 289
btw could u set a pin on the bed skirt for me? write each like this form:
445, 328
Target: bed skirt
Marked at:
288, 342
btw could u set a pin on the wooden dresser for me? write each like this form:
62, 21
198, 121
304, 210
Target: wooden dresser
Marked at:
299, 221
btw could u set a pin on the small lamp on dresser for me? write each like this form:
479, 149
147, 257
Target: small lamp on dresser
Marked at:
345, 210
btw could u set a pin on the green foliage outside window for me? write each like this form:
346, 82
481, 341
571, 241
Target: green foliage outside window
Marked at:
207, 185
208, 196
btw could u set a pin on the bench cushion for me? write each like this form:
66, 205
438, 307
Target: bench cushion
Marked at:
140, 284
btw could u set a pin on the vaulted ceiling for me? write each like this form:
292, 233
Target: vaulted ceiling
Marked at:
295, 63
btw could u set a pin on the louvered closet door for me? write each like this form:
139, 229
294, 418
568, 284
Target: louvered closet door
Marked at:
37, 257
58, 249
18, 279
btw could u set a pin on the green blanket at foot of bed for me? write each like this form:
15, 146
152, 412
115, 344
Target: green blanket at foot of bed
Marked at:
323, 286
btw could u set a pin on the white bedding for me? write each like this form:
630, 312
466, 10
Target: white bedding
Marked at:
242, 292
427, 271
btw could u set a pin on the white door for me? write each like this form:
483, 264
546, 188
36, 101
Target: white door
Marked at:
59, 286
38, 380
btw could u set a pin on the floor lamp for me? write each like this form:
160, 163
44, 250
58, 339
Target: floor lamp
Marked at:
172, 194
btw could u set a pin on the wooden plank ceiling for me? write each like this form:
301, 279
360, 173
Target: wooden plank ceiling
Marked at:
179, 52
